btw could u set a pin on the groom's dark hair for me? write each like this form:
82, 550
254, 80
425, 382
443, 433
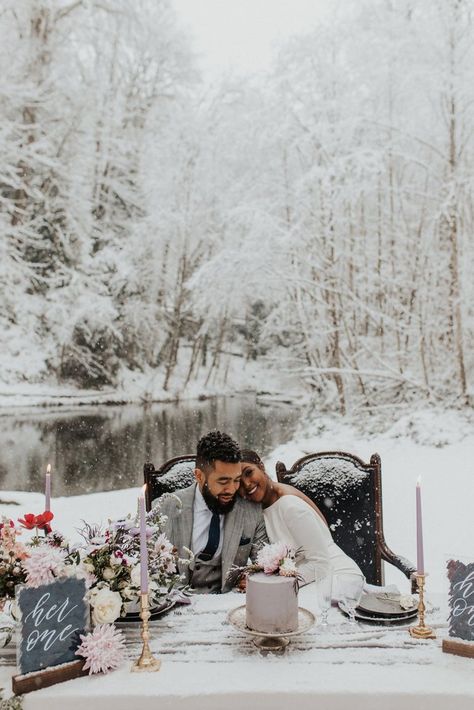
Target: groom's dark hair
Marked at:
216, 446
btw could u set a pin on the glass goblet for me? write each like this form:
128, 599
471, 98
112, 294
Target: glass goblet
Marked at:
352, 586
323, 581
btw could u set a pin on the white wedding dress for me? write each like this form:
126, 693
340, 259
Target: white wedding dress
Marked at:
291, 520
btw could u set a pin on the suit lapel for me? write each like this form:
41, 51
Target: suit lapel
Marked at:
184, 522
233, 526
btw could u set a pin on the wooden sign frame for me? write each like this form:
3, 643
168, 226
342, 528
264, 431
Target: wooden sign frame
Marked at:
28, 682
48, 620
459, 647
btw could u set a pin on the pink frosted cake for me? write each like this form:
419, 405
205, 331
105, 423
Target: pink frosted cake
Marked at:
271, 603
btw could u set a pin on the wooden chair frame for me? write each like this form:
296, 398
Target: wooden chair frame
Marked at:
150, 475
374, 469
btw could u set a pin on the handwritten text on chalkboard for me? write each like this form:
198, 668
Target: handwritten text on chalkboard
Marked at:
53, 616
461, 600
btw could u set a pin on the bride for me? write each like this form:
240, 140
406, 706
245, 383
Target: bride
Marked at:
292, 517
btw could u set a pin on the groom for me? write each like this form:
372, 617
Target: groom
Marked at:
219, 527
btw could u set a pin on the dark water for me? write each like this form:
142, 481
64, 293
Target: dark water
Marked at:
104, 448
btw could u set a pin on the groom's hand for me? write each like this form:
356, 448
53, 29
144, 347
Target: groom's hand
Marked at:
242, 584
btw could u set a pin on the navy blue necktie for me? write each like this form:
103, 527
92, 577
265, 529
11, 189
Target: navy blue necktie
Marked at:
213, 539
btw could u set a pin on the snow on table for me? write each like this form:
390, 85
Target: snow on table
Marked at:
207, 664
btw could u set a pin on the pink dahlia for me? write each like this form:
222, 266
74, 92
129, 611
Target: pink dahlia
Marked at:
43, 565
271, 557
103, 648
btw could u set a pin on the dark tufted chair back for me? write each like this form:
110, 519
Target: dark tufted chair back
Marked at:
174, 474
349, 494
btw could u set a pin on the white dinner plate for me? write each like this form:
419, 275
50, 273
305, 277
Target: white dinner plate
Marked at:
384, 605
380, 619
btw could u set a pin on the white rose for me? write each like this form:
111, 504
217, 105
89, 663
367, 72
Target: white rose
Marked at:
88, 567
106, 606
108, 573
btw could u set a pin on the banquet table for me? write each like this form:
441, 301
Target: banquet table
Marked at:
207, 664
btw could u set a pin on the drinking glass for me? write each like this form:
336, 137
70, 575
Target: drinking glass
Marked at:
323, 581
351, 591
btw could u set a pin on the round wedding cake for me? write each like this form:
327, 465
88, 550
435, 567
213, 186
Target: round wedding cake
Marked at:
271, 603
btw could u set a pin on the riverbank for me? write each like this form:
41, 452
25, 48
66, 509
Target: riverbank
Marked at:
438, 445
239, 377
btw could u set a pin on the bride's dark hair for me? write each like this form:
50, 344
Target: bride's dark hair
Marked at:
251, 456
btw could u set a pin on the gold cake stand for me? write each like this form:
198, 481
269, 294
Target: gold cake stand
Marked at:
270, 642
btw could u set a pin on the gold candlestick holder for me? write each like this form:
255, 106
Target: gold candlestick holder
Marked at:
147, 661
421, 631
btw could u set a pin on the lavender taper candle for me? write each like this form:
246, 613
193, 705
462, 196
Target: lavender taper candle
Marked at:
47, 488
420, 559
143, 546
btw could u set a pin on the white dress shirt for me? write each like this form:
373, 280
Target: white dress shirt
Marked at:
201, 522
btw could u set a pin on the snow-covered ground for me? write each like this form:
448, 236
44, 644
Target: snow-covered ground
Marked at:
437, 445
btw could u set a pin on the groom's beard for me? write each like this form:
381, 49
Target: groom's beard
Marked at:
214, 504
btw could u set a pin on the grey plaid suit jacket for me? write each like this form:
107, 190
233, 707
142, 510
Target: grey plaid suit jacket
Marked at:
244, 530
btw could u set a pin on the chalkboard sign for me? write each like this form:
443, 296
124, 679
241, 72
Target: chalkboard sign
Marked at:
52, 617
461, 600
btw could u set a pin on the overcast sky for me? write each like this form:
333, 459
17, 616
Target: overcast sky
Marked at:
240, 35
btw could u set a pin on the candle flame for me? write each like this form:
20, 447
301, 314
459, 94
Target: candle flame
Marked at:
418, 481
48, 468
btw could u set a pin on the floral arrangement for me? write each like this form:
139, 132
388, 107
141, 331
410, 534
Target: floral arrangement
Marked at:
277, 558
108, 560
14, 553
103, 648
272, 558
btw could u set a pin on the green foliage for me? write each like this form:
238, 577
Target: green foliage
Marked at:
15, 702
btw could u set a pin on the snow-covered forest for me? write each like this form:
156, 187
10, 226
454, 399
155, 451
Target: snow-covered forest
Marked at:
318, 220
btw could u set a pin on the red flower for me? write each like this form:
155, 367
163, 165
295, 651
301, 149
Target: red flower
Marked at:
31, 521
28, 521
43, 520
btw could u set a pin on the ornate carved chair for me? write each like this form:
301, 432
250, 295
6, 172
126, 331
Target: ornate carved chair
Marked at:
349, 493
172, 475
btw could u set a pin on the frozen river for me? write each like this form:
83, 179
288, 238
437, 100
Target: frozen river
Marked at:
103, 448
